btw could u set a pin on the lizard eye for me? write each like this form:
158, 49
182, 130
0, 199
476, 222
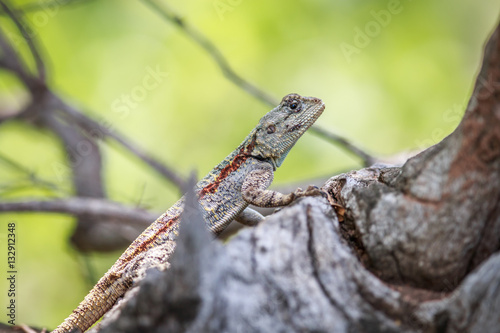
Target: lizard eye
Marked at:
271, 129
295, 106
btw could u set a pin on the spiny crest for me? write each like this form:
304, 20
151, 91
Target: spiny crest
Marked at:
281, 127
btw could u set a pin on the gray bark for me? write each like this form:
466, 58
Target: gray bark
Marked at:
416, 249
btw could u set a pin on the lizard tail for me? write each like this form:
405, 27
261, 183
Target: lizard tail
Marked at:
114, 283
97, 302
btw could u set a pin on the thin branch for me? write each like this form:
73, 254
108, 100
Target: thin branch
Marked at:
10, 60
8, 114
97, 208
17, 17
222, 62
213, 51
235, 78
36, 6
344, 143
10, 187
91, 126
33, 178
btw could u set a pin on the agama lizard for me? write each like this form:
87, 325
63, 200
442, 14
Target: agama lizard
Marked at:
242, 178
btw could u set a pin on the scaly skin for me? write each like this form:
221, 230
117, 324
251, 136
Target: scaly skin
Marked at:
240, 179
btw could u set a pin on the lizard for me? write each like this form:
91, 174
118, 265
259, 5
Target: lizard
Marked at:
224, 194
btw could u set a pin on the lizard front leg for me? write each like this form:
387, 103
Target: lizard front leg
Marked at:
254, 189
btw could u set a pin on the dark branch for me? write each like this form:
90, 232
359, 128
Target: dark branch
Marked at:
239, 81
17, 17
33, 178
10, 61
36, 6
213, 51
44, 100
92, 126
96, 208
344, 143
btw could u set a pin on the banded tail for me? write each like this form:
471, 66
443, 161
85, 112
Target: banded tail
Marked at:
117, 281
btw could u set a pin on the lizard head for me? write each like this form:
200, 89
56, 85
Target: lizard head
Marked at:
281, 127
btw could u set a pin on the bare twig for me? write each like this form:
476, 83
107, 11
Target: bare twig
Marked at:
17, 186
344, 143
39, 5
7, 113
213, 51
73, 128
11, 61
235, 78
32, 43
86, 168
33, 178
91, 126
97, 208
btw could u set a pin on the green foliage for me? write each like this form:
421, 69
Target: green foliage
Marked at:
394, 76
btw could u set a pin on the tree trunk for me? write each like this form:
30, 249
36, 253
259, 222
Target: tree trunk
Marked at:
414, 250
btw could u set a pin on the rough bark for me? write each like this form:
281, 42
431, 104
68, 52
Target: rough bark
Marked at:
416, 249
434, 220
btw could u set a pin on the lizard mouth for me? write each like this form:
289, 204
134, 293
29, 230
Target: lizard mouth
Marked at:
313, 114
273, 162
307, 120
295, 131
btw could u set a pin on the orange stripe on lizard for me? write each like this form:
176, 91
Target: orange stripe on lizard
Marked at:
231, 167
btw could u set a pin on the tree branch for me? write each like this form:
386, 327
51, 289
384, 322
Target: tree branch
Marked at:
96, 208
18, 20
10, 60
36, 6
33, 178
213, 51
366, 159
96, 129
43, 96
79, 139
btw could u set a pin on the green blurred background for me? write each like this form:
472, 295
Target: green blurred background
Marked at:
402, 88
